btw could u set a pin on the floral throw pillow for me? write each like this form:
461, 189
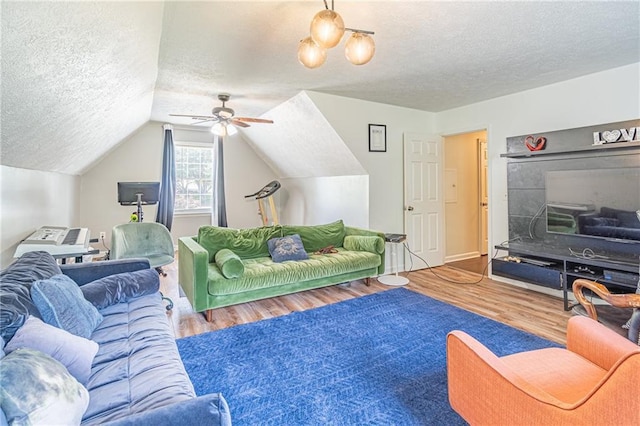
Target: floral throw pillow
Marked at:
287, 248
37, 389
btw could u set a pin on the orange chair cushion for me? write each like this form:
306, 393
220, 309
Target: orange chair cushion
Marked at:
561, 373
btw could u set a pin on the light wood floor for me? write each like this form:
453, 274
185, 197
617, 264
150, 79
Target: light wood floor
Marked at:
520, 308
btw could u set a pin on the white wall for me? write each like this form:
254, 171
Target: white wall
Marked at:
313, 201
30, 199
139, 158
351, 118
245, 174
608, 96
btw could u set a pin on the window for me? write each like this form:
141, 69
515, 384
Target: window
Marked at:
194, 178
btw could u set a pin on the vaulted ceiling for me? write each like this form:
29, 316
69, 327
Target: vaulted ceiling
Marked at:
80, 77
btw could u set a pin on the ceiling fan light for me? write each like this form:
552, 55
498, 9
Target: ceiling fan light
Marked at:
219, 129
310, 54
223, 129
359, 48
327, 28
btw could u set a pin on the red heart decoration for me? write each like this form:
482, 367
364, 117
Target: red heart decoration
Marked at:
535, 144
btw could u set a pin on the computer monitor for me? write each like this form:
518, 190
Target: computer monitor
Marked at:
128, 193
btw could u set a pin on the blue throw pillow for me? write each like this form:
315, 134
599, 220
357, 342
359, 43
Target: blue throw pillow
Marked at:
37, 389
15, 282
287, 248
121, 287
62, 305
74, 352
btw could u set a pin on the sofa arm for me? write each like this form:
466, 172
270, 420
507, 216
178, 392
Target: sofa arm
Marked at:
596, 342
193, 266
354, 231
211, 409
83, 273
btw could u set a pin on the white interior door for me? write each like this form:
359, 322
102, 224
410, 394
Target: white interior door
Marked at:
424, 199
484, 197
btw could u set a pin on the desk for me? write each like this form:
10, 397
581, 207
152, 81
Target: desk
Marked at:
395, 280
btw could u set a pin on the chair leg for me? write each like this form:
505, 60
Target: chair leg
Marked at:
169, 302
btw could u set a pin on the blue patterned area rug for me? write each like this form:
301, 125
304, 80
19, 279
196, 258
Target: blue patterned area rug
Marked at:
378, 359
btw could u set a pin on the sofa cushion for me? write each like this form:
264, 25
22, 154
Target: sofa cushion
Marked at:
229, 263
602, 221
121, 287
316, 237
246, 243
62, 305
137, 367
15, 285
287, 248
627, 219
263, 272
37, 389
74, 352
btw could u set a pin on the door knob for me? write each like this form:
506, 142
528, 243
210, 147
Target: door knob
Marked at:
410, 208
484, 204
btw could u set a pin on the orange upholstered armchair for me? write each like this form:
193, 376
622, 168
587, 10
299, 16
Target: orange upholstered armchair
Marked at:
595, 380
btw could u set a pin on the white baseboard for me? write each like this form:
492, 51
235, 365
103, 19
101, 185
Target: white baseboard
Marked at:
462, 256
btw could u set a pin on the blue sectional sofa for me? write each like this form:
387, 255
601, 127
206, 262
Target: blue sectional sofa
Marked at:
136, 376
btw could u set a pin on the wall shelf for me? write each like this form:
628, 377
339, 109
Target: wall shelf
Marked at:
590, 148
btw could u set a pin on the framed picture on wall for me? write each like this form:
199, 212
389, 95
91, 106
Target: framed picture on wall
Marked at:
377, 138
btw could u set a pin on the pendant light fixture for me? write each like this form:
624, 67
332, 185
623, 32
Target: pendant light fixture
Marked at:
310, 54
359, 48
327, 28
326, 31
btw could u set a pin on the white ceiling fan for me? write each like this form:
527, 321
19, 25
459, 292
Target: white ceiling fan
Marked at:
224, 118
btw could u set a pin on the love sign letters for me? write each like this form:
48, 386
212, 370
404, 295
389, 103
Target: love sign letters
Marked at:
612, 136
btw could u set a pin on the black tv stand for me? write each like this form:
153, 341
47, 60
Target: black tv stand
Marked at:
559, 268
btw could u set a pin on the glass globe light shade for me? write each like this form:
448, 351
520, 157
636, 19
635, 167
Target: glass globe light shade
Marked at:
327, 28
310, 54
359, 48
218, 129
223, 129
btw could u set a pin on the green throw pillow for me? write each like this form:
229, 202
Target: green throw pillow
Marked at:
229, 263
373, 244
316, 237
37, 389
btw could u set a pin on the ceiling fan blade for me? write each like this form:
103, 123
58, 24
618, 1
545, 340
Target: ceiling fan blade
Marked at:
200, 122
238, 123
196, 117
253, 120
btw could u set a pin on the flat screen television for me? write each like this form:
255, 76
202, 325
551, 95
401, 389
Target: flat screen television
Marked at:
128, 193
599, 203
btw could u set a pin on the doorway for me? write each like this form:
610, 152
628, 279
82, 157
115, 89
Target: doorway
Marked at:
466, 200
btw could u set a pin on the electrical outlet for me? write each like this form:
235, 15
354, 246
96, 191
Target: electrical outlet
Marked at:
103, 235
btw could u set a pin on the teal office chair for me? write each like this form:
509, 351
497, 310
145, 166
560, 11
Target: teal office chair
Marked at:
148, 240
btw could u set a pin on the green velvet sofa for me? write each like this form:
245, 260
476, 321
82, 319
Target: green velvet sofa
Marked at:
223, 266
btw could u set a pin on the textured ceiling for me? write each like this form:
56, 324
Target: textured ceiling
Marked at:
79, 77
